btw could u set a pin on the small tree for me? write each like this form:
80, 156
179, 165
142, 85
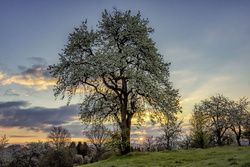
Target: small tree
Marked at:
238, 117
59, 136
3, 158
79, 148
216, 110
99, 137
72, 146
148, 142
199, 130
3, 141
171, 128
186, 142
246, 132
85, 149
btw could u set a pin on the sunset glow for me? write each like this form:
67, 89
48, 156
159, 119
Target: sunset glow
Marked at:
206, 42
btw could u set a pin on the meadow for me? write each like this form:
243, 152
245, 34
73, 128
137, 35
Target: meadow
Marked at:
216, 156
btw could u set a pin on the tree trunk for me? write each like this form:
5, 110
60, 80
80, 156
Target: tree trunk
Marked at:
125, 134
125, 120
238, 136
125, 141
202, 142
238, 140
219, 140
168, 143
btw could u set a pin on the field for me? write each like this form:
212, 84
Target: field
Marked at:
217, 156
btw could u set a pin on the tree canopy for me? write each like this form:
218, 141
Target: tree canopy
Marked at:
218, 114
119, 70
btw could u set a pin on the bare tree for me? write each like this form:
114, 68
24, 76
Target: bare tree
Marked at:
238, 117
186, 141
59, 136
3, 141
148, 142
171, 128
99, 137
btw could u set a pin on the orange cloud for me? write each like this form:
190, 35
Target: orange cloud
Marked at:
36, 78
1, 75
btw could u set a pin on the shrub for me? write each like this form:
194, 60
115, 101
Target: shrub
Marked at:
78, 159
57, 158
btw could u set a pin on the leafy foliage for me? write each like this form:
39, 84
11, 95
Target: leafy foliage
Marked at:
217, 115
83, 149
199, 131
120, 71
62, 157
29, 155
239, 116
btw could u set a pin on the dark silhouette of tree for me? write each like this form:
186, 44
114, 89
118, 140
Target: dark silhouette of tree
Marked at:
120, 68
85, 149
72, 145
59, 136
99, 137
79, 148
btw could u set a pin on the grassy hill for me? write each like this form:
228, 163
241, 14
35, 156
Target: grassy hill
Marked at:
217, 156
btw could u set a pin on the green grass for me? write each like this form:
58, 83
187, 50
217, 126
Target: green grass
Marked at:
217, 156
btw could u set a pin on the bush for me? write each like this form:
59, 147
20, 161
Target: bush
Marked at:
78, 159
28, 155
107, 155
63, 157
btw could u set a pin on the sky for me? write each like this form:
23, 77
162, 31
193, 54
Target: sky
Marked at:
207, 43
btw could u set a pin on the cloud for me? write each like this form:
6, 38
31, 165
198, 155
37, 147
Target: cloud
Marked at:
12, 105
36, 76
17, 114
18, 136
1, 75
10, 92
38, 61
